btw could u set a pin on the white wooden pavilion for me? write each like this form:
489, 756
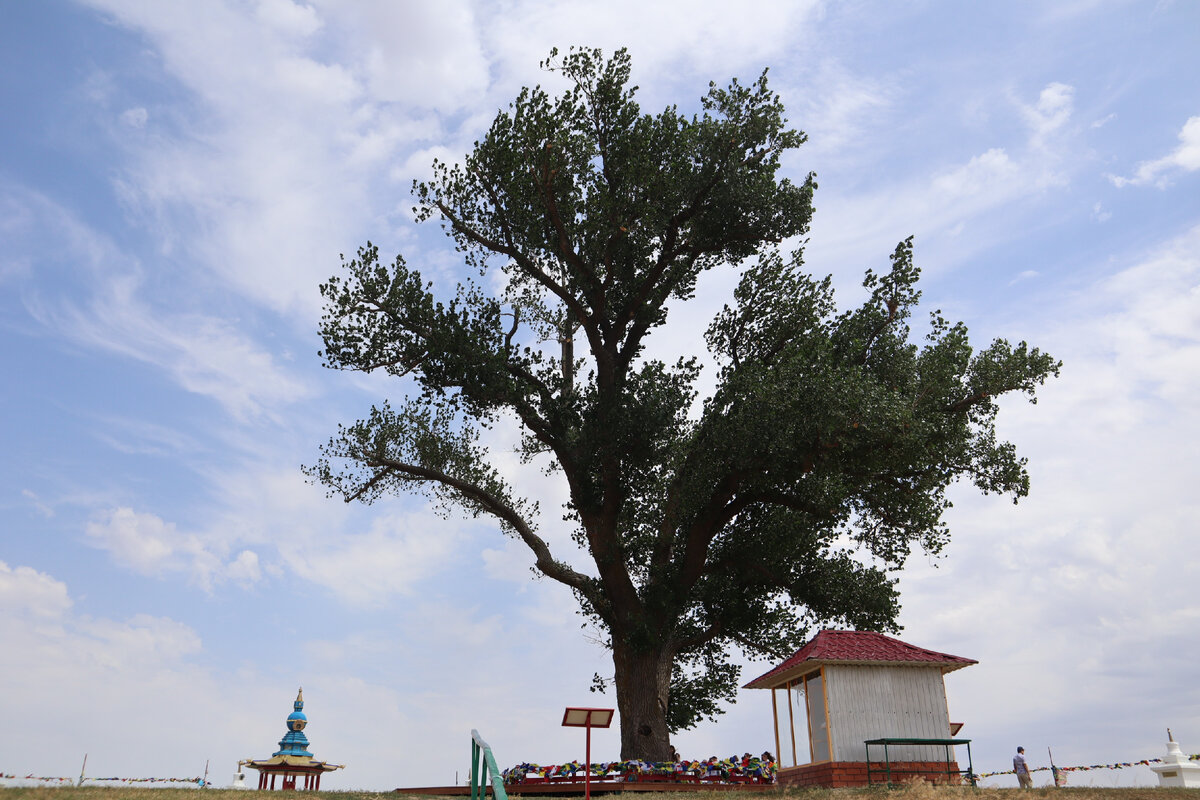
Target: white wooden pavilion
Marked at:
844, 688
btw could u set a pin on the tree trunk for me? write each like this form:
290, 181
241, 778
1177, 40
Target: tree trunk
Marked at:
643, 680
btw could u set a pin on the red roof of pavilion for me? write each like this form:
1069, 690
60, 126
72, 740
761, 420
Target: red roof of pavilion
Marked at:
857, 647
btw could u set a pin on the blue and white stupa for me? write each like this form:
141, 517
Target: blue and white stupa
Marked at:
292, 759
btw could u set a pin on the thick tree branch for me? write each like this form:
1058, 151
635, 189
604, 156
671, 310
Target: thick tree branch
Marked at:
700, 639
545, 561
967, 402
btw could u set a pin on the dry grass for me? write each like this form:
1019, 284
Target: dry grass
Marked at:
914, 791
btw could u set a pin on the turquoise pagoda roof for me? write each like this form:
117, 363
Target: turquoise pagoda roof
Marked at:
294, 742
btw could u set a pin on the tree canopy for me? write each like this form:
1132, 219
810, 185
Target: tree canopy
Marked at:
782, 500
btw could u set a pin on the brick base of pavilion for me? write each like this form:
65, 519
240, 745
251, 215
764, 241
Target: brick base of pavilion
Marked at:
845, 774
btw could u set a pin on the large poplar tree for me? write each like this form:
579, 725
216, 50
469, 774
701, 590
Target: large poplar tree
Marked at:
782, 500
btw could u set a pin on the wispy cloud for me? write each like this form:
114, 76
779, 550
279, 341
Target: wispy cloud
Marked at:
1161, 171
937, 201
43, 508
140, 437
842, 112
203, 354
91, 293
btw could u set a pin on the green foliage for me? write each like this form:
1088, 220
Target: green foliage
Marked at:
787, 497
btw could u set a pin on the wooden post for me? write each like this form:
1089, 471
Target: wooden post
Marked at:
792, 721
775, 716
825, 703
587, 764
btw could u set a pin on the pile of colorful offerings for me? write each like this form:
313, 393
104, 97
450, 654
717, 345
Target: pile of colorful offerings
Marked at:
746, 769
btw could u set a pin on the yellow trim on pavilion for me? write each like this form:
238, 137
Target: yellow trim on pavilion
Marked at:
294, 761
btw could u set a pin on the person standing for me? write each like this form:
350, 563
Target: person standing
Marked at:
1022, 769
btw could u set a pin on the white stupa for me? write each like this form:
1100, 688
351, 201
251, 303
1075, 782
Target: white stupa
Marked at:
1176, 769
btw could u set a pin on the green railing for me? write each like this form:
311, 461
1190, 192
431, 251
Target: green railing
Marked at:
484, 770
967, 774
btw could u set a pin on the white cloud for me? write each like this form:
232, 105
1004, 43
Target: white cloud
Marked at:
1184, 158
30, 594
418, 54
705, 39
148, 545
143, 637
1051, 112
288, 17
244, 569
389, 559
283, 172
986, 174
142, 542
265, 522
135, 117
509, 563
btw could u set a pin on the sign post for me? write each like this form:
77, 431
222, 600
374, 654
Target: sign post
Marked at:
587, 718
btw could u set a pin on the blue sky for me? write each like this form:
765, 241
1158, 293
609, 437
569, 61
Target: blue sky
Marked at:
177, 178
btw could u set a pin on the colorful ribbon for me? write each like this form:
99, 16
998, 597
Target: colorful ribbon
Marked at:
725, 770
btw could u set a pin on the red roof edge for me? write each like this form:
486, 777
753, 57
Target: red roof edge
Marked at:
831, 647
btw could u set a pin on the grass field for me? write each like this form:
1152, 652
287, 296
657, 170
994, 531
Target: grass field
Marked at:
919, 791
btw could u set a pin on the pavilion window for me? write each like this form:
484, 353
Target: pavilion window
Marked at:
802, 725
818, 719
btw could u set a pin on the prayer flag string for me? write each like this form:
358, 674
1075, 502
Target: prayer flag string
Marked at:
1145, 762
53, 779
